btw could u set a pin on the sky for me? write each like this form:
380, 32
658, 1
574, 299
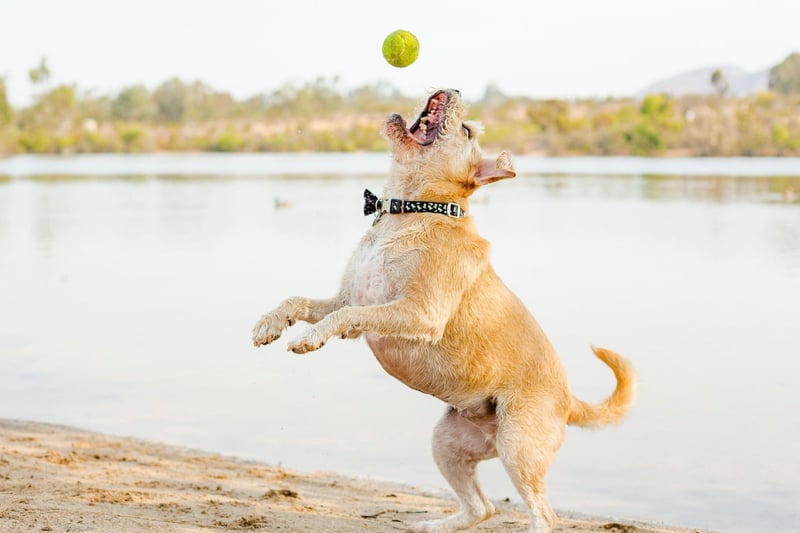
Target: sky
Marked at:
541, 49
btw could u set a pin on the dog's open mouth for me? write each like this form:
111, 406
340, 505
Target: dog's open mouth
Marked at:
431, 121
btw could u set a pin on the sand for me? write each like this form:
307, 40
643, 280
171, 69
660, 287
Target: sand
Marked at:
61, 479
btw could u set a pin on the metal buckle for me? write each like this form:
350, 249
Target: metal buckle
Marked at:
379, 209
454, 210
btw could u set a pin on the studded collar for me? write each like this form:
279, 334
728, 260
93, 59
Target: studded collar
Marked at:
379, 206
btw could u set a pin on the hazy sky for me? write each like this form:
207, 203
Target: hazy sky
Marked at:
563, 48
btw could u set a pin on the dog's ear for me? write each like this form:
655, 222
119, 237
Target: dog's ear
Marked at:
490, 170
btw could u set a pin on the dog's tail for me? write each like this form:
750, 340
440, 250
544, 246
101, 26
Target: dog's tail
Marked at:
616, 406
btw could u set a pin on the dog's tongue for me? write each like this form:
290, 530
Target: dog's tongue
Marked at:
421, 134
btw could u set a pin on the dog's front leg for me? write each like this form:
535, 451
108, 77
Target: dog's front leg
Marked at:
270, 326
400, 318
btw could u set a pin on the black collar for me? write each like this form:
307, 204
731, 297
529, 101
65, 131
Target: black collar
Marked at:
379, 206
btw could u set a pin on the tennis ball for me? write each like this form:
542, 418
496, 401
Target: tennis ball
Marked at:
400, 48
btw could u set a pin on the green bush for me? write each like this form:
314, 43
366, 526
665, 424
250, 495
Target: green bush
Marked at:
36, 142
131, 136
644, 140
230, 141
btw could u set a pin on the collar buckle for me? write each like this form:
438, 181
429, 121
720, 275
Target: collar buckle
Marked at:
454, 210
379, 209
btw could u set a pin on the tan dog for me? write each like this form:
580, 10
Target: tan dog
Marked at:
422, 291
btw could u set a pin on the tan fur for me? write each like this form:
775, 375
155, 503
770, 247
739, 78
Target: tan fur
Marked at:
422, 291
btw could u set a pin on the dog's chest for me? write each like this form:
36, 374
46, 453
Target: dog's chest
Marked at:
376, 271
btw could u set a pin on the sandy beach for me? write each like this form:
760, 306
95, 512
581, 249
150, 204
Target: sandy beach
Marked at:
61, 479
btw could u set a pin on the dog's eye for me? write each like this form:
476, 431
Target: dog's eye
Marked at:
467, 131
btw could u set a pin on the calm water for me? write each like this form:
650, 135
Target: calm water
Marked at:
128, 288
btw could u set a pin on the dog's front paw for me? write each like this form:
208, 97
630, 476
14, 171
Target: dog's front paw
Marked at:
269, 328
309, 341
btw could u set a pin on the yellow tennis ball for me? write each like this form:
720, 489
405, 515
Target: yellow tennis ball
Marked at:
400, 48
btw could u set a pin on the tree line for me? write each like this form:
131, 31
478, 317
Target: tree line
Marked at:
318, 116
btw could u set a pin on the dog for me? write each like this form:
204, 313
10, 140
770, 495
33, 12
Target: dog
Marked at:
421, 289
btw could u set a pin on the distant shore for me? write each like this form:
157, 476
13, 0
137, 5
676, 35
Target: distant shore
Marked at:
61, 479
319, 117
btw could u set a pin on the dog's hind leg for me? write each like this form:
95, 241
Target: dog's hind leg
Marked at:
528, 435
460, 442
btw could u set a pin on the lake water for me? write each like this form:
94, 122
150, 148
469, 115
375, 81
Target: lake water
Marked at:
129, 285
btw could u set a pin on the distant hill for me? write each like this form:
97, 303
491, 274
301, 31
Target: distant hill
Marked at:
741, 83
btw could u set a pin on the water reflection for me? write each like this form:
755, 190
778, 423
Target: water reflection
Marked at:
723, 188
779, 189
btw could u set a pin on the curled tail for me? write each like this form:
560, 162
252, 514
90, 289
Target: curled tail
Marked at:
616, 406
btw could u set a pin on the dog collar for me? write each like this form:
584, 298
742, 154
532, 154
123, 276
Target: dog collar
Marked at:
379, 206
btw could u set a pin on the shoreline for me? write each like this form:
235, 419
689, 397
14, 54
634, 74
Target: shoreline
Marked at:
57, 478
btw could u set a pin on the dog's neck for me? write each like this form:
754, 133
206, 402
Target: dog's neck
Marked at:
414, 188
